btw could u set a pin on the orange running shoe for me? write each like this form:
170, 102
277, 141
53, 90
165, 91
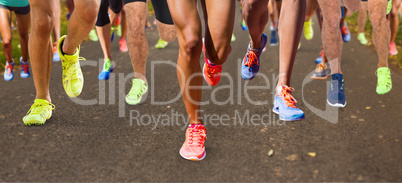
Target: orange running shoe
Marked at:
123, 45
211, 72
193, 148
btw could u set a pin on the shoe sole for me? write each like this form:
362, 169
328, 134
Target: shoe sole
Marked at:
336, 105
194, 158
292, 119
322, 78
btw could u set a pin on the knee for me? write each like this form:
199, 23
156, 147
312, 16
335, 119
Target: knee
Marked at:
394, 11
192, 44
377, 20
42, 23
136, 25
86, 11
220, 53
7, 43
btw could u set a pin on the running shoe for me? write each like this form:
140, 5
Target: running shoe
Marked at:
68, 15
73, 80
362, 39
56, 56
161, 44
392, 49
112, 33
345, 33
336, 92
107, 69
92, 35
138, 89
193, 147
24, 69
274, 38
272, 27
9, 72
384, 82
211, 72
285, 105
243, 25
319, 59
308, 30
119, 30
123, 45
233, 39
251, 61
322, 71
298, 47
40, 111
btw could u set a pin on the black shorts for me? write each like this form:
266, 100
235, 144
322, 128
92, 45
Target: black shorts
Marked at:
161, 9
18, 10
103, 16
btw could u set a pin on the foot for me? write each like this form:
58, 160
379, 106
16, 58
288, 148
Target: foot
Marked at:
336, 92
9, 72
319, 58
123, 45
107, 69
119, 30
161, 44
384, 82
211, 72
392, 49
322, 71
308, 30
73, 80
285, 105
345, 33
92, 35
243, 25
251, 61
193, 148
40, 111
274, 39
24, 69
362, 39
138, 89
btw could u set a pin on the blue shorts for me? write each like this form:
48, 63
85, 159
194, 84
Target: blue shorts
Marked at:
18, 10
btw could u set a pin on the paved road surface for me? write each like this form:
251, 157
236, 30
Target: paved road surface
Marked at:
92, 143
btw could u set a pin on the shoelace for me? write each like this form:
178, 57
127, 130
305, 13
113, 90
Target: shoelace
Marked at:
344, 30
252, 59
9, 68
198, 134
69, 64
286, 95
36, 106
212, 71
335, 85
25, 68
320, 67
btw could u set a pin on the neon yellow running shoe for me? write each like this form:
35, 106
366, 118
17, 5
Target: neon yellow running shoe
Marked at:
41, 110
389, 7
92, 35
138, 89
73, 80
161, 44
233, 39
308, 30
362, 38
384, 82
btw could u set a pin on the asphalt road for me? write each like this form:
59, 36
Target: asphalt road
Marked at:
98, 141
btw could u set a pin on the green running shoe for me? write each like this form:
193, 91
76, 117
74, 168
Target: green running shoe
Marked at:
161, 44
233, 39
92, 35
138, 89
362, 39
41, 110
384, 82
119, 30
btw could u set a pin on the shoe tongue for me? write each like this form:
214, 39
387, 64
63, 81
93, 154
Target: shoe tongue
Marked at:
337, 76
40, 101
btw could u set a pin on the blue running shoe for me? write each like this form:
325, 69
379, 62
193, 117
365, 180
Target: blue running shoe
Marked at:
336, 92
107, 69
319, 59
112, 34
345, 33
285, 105
9, 72
56, 57
243, 25
251, 61
24, 69
274, 38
